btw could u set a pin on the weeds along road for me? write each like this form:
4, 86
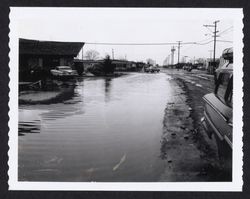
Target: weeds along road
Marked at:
195, 155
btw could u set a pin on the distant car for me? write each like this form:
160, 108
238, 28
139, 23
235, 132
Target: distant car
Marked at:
200, 68
63, 72
187, 67
218, 110
152, 69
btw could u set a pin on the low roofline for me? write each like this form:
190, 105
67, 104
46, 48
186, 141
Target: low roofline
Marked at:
42, 47
52, 41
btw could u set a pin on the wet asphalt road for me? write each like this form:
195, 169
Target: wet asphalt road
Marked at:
199, 79
140, 127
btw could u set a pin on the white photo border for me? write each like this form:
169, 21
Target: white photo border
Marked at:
237, 181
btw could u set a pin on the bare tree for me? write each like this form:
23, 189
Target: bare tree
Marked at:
92, 55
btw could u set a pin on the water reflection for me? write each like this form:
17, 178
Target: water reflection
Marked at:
107, 84
60, 103
29, 127
55, 92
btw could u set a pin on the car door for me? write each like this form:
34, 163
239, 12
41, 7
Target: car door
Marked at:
218, 107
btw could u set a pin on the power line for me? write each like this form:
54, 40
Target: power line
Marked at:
208, 29
201, 44
161, 43
189, 47
203, 40
139, 44
205, 43
224, 31
129, 44
165, 43
227, 32
197, 43
225, 41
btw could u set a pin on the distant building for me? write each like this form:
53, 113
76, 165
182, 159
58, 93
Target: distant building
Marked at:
124, 65
86, 64
45, 55
120, 65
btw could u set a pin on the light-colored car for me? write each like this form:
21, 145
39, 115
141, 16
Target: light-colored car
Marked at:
218, 109
152, 69
63, 71
200, 68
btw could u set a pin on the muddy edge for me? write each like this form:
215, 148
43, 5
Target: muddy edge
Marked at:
195, 101
199, 161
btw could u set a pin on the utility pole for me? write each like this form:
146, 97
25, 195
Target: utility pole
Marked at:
112, 53
214, 36
215, 32
179, 45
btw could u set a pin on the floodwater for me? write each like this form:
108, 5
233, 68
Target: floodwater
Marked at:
109, 130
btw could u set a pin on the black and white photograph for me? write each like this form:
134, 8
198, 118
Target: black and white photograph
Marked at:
125, 99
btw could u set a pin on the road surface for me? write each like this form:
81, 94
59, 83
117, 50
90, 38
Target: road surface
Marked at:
135, 128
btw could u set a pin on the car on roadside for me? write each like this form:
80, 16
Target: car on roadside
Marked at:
188, 67
184, 67
63, 72
200, 68
152, 69
218, 108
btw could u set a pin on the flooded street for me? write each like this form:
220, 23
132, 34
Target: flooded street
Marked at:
123, 99
109, 129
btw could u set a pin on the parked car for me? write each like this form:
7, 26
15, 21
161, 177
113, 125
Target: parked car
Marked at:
187, 67
63, 72
152, 69
200, 68
218, 110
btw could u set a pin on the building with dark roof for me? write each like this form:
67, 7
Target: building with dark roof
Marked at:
45, 55
120, 65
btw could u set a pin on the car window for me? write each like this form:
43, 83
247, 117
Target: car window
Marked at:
224, 90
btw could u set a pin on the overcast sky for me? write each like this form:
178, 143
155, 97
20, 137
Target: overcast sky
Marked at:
121, 25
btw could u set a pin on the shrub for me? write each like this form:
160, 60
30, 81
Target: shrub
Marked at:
108, 67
